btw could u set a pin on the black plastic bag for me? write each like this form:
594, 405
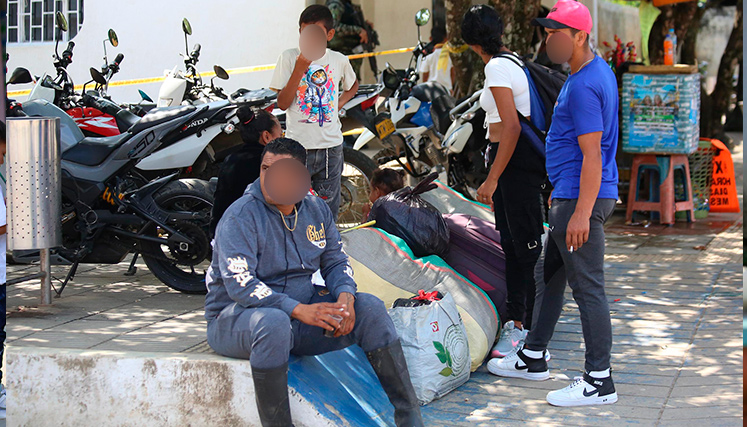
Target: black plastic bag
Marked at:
408, 216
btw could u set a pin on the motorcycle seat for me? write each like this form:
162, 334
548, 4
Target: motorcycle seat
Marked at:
126, 120
93, 151
367, 89
427, 92
158, 116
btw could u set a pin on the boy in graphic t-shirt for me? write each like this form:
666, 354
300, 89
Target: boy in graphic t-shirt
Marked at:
311, 93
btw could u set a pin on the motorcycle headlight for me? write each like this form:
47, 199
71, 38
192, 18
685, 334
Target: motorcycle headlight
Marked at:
165, 102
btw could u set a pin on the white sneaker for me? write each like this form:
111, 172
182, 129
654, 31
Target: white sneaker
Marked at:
521, 346
585, 390
509, 340
518, 365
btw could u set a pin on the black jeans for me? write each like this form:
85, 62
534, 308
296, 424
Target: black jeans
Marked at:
519, 214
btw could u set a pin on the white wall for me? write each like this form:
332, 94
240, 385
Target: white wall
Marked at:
232, 34
394, 21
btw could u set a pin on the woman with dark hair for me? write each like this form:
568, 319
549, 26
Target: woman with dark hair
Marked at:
383, 181
257, 129
516, 174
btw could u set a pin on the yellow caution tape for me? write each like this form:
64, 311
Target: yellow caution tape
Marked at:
241, 70
357, 131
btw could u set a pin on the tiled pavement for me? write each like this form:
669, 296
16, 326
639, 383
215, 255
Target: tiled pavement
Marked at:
674, 294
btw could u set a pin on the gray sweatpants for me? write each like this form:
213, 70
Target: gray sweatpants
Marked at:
583, 270
267, 336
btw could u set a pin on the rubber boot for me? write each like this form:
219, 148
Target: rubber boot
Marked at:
391, 368
271, 391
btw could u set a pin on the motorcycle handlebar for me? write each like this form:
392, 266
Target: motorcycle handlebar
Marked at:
67, 54
118, 59
196, 51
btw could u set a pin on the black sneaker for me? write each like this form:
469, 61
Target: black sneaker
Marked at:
585, 390
519, 365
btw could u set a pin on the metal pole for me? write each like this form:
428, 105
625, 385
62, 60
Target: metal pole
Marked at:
46, 282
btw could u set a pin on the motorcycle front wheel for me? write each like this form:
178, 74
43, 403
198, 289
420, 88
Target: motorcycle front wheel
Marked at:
355, 187
182, 266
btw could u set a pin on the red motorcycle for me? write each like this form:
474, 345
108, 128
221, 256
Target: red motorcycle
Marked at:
93, 111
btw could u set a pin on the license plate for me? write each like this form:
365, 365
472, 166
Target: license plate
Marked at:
385, 128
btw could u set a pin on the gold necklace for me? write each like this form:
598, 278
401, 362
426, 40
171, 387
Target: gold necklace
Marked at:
295, 223
585, 64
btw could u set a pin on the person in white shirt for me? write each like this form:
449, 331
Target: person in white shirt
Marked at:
517, 174
311, 93
437, 66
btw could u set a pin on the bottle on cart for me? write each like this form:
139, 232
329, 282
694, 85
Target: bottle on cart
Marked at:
670, 47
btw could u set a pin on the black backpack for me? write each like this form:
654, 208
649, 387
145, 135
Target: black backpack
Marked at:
544, 88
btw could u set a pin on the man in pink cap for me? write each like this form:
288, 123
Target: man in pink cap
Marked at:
581, 148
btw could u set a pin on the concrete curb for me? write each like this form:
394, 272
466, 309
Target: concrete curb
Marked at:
66, 387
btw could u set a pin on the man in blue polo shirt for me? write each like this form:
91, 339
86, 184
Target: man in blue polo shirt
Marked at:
581, 148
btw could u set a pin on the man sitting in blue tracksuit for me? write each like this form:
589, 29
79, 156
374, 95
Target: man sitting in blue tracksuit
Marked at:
262, 306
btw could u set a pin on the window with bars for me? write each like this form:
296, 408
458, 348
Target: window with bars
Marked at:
34, 20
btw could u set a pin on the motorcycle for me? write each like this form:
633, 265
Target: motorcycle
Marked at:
104, 118
187, 87
414, 115
111, 209
465, 143
419, 120
194, 151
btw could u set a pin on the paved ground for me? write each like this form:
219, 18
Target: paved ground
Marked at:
674, 294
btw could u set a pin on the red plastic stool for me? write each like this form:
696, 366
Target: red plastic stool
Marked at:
666, 205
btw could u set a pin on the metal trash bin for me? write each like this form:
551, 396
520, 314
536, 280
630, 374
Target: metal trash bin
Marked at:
34, 189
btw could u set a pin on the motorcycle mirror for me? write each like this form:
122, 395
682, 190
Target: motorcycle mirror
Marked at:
422, 17
186, 27
220, 72
113, 38
97, 76
144, 96
61, 21
20, 76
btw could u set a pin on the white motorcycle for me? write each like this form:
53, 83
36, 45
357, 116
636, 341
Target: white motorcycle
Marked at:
423, 126
186, 87
416, 114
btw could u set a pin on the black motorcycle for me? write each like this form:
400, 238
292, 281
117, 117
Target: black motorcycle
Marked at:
110, 209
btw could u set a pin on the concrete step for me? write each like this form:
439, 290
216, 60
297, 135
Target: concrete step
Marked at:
92, 387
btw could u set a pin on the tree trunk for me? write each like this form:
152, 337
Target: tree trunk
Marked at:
719, 100
467, 64
681, 17
517, 16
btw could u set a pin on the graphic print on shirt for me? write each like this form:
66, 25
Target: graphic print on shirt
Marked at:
317, 237
316, 95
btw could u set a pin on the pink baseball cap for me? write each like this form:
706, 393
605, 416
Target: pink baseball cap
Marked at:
567, 14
